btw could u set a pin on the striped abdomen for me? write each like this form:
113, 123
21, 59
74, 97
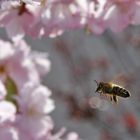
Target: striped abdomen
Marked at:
119, 91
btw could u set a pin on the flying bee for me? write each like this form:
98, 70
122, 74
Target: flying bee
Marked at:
112, 90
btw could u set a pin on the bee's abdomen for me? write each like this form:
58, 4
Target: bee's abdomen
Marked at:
121, 92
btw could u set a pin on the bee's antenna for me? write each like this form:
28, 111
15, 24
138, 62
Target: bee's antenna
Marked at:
96, 82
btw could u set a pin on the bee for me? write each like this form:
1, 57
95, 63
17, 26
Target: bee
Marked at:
112, 90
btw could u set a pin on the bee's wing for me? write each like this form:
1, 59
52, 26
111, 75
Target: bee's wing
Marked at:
120, 79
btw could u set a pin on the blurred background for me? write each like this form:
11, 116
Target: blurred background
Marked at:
78, 58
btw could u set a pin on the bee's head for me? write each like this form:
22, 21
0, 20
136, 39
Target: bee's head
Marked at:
99, 86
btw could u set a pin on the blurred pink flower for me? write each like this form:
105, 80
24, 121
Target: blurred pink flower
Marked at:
41, 62
136, 15
16, 64
34, 106
94, 25
49, 19
59, 16
119, 14
53, 17
17, 20
94, 16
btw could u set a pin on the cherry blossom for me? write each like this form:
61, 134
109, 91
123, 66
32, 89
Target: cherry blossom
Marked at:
19, 65
34, 105
53, 17
17, 20
41, 62
16, 65
119, 14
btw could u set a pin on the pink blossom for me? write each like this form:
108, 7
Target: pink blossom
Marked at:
16, 64
17, 20
119, 14
50, 19
94, 25
34, 106
94, 22
59, 16
41, 62
53, 17
136, 15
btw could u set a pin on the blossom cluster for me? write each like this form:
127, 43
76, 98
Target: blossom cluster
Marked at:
25, 103
39, 18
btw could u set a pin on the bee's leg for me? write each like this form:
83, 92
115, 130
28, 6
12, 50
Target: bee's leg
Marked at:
115, 99
111, 98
